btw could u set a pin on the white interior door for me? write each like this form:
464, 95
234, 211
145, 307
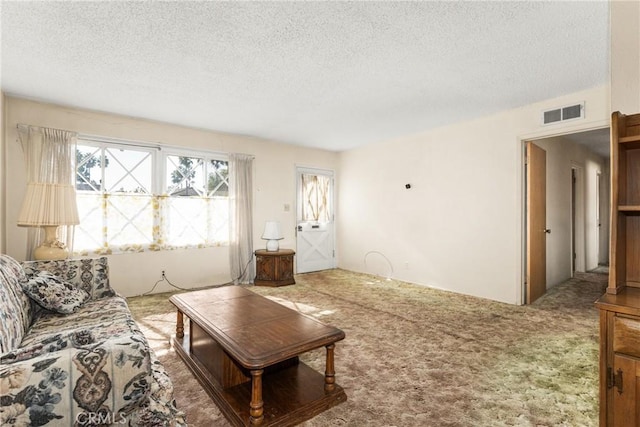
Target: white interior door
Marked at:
315, 247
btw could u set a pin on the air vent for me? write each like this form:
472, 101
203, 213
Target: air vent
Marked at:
562, 114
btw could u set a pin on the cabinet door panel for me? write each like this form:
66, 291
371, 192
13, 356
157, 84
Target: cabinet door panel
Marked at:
286, 268
625, 404
265, 268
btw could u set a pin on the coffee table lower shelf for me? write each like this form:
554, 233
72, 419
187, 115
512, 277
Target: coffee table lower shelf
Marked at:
291, 395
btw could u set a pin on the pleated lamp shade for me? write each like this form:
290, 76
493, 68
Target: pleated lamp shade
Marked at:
47, 204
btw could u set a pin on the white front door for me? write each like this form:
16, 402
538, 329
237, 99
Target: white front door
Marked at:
315, 249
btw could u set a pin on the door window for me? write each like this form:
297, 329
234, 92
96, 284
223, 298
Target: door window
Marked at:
315, 198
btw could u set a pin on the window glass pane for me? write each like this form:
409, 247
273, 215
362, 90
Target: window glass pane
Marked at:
218, 178
186, 221
88, 168
88, 235
127, 171
130, 220
185, 176
315, 198
219, 220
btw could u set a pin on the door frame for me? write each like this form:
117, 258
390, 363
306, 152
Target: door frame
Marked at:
598, 211
578, 232
604, 207
574, 196
520, 159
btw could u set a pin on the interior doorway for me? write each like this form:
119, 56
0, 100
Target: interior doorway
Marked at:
577, 178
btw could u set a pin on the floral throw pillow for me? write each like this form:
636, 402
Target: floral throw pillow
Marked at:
54, 294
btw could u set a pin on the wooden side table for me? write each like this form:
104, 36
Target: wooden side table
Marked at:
274, 268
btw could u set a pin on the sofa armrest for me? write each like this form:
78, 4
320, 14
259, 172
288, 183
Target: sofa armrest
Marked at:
106, 380
89, 274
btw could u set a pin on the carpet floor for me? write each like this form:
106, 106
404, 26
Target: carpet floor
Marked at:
415, 356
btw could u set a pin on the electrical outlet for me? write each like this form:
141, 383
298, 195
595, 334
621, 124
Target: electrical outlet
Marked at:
163, 274
406, 265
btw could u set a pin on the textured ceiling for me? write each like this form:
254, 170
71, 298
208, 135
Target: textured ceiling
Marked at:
334, 75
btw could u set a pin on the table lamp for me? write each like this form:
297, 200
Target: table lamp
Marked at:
272, 233
49, 205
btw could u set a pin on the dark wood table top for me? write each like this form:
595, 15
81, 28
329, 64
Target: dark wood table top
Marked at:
254, 330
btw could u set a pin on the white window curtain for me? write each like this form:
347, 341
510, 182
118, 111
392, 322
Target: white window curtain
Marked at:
241, 218
50, 158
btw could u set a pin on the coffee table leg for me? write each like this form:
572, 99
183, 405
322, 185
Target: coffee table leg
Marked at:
256, 406
179, 326
330, 373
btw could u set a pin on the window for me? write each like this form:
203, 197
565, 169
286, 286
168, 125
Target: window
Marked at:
137, 198
197, 206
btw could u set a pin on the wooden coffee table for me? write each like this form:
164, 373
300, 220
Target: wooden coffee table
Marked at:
244, 349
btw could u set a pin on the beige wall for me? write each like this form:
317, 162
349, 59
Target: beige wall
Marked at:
460, 225
133, 274
625, 56
562, 156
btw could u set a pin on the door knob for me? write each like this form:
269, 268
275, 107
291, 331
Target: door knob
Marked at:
547, 230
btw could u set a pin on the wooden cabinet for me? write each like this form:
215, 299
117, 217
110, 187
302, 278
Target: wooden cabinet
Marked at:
625, 202
274, 268
620, 358
620, 306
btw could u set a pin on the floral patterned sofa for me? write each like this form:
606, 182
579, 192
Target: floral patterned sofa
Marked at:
76, 356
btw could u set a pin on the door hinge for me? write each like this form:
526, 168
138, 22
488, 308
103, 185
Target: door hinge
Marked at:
614, 379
